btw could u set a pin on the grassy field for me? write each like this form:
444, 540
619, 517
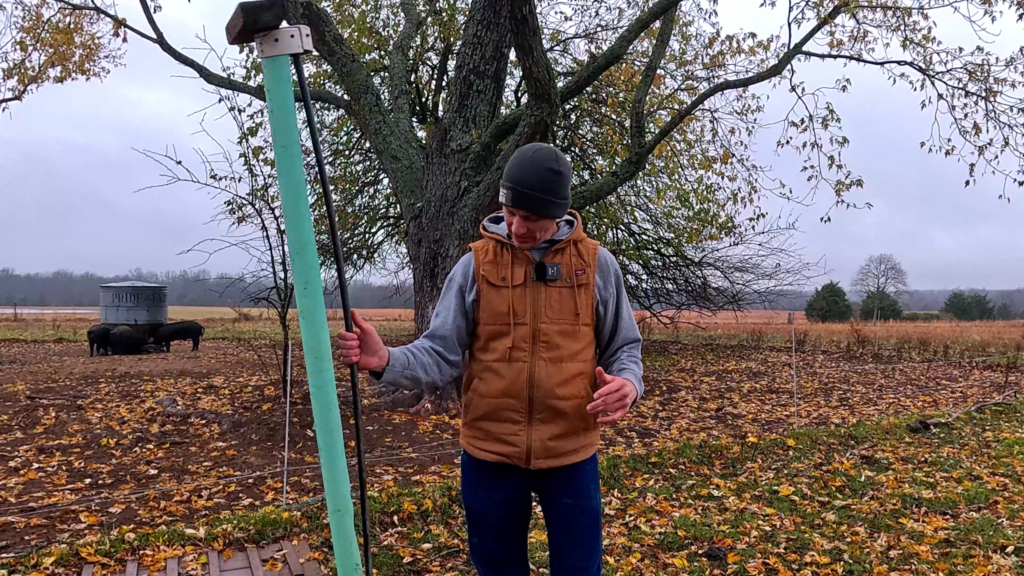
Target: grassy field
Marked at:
742, 457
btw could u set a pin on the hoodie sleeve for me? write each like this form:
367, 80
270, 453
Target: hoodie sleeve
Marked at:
618, 337
436, 357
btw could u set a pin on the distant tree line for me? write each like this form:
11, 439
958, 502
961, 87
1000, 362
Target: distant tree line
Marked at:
184, 288
886, 295
203, 288
978, 306
916, 301
829, 303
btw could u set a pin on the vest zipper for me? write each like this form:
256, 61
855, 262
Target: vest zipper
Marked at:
531, 382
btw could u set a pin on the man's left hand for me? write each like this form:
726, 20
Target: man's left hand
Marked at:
613, 399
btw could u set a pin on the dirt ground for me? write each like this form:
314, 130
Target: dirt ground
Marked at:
94, 431
96, 443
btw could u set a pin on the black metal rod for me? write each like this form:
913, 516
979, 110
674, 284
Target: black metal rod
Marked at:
339, 264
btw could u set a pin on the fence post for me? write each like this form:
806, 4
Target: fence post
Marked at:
876, 331
796, 415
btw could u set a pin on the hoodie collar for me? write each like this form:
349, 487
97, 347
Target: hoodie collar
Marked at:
569, 227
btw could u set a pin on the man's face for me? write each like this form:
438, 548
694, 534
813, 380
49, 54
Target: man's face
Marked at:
527, 230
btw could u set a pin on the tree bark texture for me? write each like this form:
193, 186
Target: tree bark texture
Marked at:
439, 236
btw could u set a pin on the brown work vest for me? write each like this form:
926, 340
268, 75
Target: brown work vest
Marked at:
530, 373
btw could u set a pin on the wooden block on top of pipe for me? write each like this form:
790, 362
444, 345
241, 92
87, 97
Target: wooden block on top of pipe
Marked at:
252, 18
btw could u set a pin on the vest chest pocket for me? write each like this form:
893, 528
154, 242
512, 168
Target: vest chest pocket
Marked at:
493, 294
561, 297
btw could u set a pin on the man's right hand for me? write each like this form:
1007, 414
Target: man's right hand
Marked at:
364, 348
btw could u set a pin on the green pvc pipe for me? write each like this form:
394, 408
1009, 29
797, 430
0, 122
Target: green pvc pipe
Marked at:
309, 295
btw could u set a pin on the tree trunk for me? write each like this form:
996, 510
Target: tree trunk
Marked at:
436, 238
435, 247
435, 244
447, 221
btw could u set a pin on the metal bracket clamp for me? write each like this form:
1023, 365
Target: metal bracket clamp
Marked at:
284, 41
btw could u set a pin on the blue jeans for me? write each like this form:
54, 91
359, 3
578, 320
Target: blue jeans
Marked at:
498, 503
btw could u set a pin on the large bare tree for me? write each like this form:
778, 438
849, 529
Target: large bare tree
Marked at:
423, 101
881, 273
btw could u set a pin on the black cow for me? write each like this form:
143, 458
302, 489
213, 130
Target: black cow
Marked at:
126, 340
99, 338
187, 330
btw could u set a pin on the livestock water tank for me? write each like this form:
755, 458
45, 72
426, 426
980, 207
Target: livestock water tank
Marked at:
133, 302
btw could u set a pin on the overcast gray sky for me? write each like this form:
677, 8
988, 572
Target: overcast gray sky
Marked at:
68, 175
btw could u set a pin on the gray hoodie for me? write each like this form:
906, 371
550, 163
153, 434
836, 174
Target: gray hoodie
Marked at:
436, 357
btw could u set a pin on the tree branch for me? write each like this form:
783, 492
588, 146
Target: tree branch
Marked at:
932, 76
537, 73
917, 67
789, 24
615, 52
207, 75
585, 76
419, 110
394, 143
481, 65
635, 163
922, 425
440, 75
639, 117
204, 73
399, 62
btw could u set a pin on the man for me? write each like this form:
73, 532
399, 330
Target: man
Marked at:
553, 352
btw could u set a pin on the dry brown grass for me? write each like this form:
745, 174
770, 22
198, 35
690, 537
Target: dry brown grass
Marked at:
375, 314
730, 318
938, 338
